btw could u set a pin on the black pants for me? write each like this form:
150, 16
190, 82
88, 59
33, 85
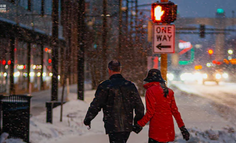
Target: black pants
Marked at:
119, 137
154, 141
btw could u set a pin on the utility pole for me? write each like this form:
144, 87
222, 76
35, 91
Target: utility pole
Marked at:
120, 29
81, 35
104, 40
55, 22
11, 65
164, 59
28, 66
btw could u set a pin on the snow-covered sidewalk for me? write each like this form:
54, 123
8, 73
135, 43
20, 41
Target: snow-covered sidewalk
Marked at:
203, 122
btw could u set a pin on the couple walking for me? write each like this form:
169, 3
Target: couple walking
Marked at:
119, 97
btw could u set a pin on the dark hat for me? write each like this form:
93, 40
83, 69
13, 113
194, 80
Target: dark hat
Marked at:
114, 65
154, 75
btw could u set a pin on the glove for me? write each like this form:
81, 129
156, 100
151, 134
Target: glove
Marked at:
137, 128
185, 133
87, 123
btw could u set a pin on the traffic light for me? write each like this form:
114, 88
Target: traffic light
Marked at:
49, 61
210, 51
163, 12
202, 30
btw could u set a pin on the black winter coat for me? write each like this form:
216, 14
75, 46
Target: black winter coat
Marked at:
118, 98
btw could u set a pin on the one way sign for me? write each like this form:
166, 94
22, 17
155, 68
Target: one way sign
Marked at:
164, 39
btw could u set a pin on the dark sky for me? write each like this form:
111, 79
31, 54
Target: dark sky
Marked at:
200, 8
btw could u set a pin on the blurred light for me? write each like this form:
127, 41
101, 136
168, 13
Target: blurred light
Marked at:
16, 74
133, 13
49, 61
230, 52
218, 76
6, 67
25, 74
32, 74
170, 76
50, 74
208, 64
124, 8
46, 49
34, 66
44, 74
9, 62
225, 75
229, 57
186, 76
220, 11
205, 76
198, 67
226, 61
198, 46
3, 62
5, 74
197, 76
20, 67
59, 77
210, 51
38, 74
184, 45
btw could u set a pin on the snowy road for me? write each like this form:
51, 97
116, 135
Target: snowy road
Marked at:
223, 96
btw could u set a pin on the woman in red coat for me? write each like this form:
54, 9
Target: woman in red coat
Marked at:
160, 106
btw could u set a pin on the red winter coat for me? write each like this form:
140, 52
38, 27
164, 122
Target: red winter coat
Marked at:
159, 112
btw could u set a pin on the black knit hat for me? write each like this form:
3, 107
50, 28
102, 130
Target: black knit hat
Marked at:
154, 75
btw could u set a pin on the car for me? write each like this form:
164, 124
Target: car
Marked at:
214, 75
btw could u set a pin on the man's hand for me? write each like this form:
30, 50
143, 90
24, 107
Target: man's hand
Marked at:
87, 123
137, 128
185, 133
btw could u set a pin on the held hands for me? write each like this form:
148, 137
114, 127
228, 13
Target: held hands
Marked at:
185, 133
137, 128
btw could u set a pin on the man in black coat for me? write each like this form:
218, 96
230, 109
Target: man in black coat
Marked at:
118, 98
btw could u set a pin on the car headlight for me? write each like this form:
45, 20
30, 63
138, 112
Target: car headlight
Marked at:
197, 75
170, 76
205, 76
186, 76
218, 76
225, 75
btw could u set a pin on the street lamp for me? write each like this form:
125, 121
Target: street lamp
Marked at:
230, 51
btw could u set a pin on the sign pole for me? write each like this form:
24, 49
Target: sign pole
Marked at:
164, 60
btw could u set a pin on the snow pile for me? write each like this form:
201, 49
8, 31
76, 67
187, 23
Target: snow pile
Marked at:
72, 122
72, 128
227, 135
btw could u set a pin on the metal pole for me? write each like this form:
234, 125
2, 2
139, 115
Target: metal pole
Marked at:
29, 5
81, 35
55, 21
164, 60
127, 17
11, 66
28, 65
104, 40
41, 76
42, 8
120, 28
